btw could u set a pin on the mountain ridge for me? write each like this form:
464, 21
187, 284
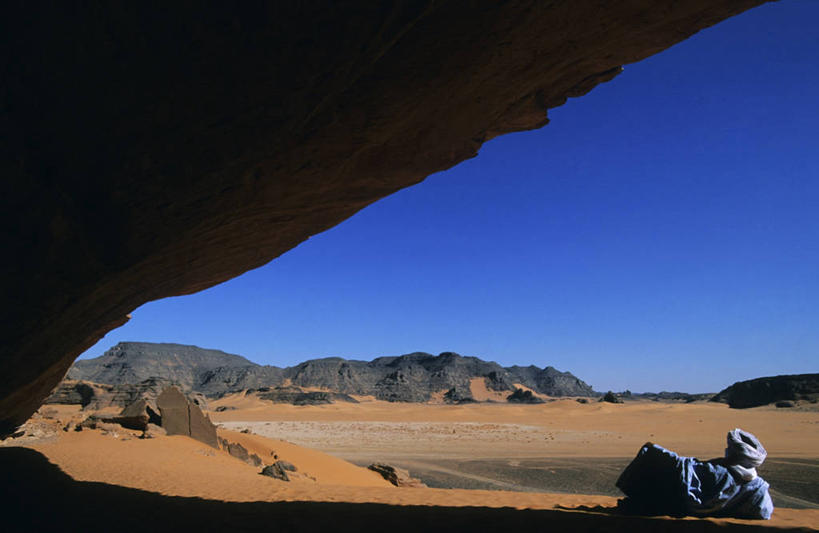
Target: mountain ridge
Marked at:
413, 377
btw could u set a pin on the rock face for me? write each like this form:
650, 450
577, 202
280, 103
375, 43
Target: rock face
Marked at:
183, 417
762, 391
147, 156
412, 377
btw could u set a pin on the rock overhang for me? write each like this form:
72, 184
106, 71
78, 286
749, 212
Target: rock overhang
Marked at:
151, 153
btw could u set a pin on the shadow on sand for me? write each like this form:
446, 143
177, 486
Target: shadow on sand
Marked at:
36, 495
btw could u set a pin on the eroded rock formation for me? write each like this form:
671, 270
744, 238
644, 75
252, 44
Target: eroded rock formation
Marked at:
148, 153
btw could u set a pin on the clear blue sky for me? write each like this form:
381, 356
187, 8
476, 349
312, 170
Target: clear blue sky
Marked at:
662, 233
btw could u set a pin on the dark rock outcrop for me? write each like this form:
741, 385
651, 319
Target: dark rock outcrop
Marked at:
763, 391
610, 397
550, 381
523, 396
183, 417
397, 476
296, 396
666, 396
152, 156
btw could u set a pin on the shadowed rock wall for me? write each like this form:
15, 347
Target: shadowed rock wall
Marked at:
156, 150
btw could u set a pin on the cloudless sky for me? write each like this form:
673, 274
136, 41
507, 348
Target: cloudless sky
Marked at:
662, 233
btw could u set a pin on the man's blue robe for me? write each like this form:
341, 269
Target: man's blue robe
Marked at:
658, 481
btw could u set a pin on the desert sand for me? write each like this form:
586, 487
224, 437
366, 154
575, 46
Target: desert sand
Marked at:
168, 471
562, 428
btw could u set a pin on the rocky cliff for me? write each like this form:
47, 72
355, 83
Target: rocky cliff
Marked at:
412, 377
147, 156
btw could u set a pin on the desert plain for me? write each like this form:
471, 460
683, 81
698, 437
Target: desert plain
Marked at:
483, 463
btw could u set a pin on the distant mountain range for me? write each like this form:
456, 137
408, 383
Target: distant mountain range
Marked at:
413, 377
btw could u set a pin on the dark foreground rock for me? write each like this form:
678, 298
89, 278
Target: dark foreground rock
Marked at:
763, 391
397, 476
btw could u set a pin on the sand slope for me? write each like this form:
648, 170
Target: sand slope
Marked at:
172, 467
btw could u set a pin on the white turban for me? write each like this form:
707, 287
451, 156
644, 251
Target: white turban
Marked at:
744, 453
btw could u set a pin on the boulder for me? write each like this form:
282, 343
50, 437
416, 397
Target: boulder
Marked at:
201, 428
275, 471
138, 415
173, 407
182, 417
397, 476
238, 451
90, 422
152, 431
